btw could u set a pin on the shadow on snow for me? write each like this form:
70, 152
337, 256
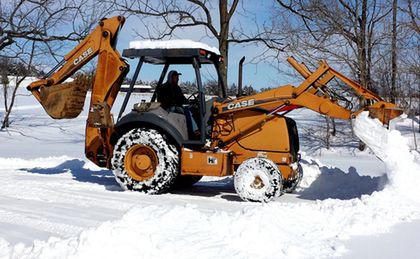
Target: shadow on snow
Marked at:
222, 188
75, 167
336, 184
331, 183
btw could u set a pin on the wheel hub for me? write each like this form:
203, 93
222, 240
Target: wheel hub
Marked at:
140, 162
258, 183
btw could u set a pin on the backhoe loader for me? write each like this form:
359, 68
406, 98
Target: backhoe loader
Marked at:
150, 149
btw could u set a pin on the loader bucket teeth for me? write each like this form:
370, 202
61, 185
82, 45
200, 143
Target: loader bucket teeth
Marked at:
65, 101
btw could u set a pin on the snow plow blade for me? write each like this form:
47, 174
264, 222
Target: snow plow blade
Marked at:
384, 111
64, 101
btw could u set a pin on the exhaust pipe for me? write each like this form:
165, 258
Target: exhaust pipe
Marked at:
241, 62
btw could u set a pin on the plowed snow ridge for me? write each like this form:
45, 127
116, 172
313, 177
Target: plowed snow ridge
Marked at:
293, 230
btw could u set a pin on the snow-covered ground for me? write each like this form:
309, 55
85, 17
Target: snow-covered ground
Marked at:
54, 203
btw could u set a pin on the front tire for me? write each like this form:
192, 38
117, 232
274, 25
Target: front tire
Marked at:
144, 160
258, 179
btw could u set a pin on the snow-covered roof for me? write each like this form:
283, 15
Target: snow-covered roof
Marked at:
171, 44
137, 86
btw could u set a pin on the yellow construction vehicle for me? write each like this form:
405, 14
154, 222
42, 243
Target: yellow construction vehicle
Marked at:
151, 149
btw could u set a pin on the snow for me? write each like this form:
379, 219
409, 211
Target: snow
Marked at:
403, 171
56, 204
171, 44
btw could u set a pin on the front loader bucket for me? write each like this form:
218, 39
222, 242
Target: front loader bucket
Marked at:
65, 101
384, 111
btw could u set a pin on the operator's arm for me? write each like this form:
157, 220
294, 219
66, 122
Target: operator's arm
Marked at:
162, 97
179, 96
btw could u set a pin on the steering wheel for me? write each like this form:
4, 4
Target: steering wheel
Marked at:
193, 99
193, 103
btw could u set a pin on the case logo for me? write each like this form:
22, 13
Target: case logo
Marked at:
83, 56
241, 104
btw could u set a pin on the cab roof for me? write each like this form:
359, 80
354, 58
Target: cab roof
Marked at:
173, 55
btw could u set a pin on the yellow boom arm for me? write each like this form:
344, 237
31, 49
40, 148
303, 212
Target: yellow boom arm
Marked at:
313, 93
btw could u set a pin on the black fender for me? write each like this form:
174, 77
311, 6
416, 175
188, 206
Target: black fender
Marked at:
145, 119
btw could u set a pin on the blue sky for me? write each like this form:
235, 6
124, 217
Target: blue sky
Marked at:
258, 75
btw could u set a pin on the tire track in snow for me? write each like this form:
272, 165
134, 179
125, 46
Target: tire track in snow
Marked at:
44, 224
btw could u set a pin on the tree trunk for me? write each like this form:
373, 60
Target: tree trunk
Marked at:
8, 109
5, 123
223, 47
5, 86
414, 132
394, 52
5, 83
418, 112
362, 47
223, 39
334, 129
327, 137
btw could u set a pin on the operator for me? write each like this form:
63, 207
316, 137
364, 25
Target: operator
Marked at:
172, 99
169, 94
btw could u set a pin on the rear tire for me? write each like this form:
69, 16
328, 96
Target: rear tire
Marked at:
258, 179
144, 160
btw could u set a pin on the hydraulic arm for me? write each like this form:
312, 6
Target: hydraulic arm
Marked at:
313, 93
66, 100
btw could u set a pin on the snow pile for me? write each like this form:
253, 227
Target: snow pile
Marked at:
274, 230
187, 232
171, 44
402, 170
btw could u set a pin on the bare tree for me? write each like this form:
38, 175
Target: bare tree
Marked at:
345, 32
342, 30
410, 51
17, 78
412, 10
46, 21
377, 41
35, 32
216, 19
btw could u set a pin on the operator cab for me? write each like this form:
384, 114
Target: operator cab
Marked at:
151, 112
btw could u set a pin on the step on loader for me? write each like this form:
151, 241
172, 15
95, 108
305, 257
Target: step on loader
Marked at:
151, 149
